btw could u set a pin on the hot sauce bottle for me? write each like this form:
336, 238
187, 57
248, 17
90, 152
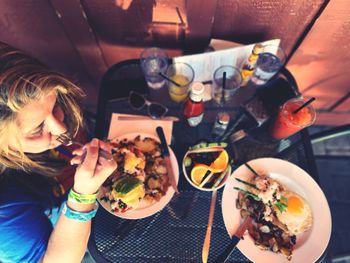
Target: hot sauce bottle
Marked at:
220, 125
194, 105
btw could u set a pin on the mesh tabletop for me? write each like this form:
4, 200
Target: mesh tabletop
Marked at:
174, 234
177, 232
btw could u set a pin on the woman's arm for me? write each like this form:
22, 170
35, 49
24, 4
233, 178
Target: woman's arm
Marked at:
69, 238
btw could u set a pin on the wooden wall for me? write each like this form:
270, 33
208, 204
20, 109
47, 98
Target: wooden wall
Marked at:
82, 38
321, 64
36, 27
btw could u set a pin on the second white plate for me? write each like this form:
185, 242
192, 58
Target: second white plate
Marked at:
311, 244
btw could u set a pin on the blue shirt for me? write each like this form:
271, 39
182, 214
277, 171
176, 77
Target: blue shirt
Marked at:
25, 224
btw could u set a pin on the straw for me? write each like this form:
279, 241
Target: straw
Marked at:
251, 169
206, 179
223, 88
304, 105
221, 177
169, 79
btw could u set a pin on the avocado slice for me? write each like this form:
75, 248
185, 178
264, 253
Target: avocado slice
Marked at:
126, 184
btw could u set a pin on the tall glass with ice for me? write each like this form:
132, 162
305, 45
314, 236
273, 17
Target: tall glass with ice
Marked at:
153, 62
270, 61
232, 82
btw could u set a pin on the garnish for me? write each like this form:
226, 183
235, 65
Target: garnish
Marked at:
284, 199
247, 193
247, 183
281, 206
213, 145
187, 161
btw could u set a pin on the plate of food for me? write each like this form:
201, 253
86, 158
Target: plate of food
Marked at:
291, 216
140, 186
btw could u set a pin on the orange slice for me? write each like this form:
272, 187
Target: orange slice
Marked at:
198, 172
220, 163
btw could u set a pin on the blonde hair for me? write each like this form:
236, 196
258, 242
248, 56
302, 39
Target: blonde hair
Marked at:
23, 80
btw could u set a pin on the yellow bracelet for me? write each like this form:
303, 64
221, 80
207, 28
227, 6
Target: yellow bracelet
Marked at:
82, 198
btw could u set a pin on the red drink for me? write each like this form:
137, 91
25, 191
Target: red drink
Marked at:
288, 123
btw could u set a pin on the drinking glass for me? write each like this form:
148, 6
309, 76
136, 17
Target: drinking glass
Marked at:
182, 74
289, 122
153, 62
232, 83
270, 61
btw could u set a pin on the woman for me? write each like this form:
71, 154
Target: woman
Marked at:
37, 106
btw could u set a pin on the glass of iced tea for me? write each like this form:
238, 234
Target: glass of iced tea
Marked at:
182, 74
289, 122
232, 83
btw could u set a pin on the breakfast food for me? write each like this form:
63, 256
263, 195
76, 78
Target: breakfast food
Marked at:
279, 214
297, 216
207, 167
141, 176
127, 191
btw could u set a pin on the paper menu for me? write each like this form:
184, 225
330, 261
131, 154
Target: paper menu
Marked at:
143, 125
205, 64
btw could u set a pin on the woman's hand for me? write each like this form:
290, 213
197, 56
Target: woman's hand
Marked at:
92, 169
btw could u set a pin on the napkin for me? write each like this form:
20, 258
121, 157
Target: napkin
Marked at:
138, 124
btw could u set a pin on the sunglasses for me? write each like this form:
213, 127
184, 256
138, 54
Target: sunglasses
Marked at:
155, 110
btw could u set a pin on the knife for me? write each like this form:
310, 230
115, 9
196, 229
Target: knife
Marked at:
234, 241
166, 156
206, 243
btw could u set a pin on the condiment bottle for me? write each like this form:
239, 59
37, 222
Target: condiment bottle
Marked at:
250, 64
194, 105
220, 124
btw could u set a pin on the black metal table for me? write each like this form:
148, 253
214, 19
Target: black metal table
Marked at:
176, 233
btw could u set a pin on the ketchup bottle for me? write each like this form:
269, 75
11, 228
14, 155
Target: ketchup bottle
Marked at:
194, 105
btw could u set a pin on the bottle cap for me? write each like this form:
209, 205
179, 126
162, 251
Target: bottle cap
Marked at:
223, 117
258, 48
197, 91
197, 88
238, 135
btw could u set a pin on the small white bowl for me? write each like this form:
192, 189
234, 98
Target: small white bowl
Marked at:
222, 183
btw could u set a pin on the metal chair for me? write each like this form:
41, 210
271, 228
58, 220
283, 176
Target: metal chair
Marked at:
335, 164
117, 83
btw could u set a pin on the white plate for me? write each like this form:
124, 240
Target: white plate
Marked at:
311, 244
145, 210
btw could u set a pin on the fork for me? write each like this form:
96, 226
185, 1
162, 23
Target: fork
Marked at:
66, 139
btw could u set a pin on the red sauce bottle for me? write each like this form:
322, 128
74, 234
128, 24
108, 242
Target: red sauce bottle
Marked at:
194, 106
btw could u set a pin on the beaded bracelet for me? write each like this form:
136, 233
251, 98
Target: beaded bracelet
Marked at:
79, 216
82, 198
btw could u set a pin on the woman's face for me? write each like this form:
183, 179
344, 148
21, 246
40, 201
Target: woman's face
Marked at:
40, 123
